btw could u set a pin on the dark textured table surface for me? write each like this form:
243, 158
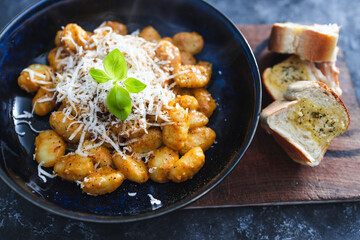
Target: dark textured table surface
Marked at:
19, 219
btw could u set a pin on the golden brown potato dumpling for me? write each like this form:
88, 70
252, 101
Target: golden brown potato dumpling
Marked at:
117, 27
43, 108
197, 119
188, 165
202, 137
102, 181
100, 155
160, 163
54, 60
169, 39
193, 76
48, 148
207, 104
42, 77
189, 42
73, 167
169, 53
174, 135
147, 142
133, 169
185, 102
187, 58
65, 127
78, 35
149, 33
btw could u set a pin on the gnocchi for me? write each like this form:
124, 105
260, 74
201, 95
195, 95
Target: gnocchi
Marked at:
185, 102
73, 167
101, 155
49, 147
192, 76
43, 102
102, 180
35, 76
147, 142
188, 165
207, 104
163, 137
174, 135
160, 163
133, 169
65, 127
190, 42
202, 137
149, 33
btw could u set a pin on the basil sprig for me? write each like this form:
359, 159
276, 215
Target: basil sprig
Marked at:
118, 99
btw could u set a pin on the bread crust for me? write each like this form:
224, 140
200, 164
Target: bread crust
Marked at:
295, 152
325, 72
310, 44
267, 83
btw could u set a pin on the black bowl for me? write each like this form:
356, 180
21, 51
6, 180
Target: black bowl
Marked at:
235, 85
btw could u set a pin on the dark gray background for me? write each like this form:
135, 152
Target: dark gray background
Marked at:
19, 219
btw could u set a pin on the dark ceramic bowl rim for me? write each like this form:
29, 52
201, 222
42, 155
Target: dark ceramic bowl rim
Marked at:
118, 219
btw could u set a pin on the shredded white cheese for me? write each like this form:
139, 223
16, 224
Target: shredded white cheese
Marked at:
86, 99
156, 203
25, 114
29, 124
43, 174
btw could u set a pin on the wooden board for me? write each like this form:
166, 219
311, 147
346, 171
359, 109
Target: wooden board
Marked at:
266, 175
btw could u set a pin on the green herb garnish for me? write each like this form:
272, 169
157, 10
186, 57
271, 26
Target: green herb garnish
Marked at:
118, 99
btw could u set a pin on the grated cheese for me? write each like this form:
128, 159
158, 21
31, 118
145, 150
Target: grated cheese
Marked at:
29, 124
43, 174
87, 98
155, 203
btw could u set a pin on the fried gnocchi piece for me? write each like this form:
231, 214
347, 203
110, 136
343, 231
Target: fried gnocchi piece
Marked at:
169, 39
207, 104
73, 167
48, 148
193, 76
55, 57
100, 154
197, 119
207, 65
119, 130
117, 27
102, 180
43, 102
185, 102
150, 34
73, 36
147, 142
160, 163
174, 135
133, 169
65, 127
34, 76
58, 37
189, 42
187, 166
202, 137
169, 54
187, 58
182, 91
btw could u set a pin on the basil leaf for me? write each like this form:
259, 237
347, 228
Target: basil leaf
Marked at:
119, 102
133, 85
115, 65
99, 75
